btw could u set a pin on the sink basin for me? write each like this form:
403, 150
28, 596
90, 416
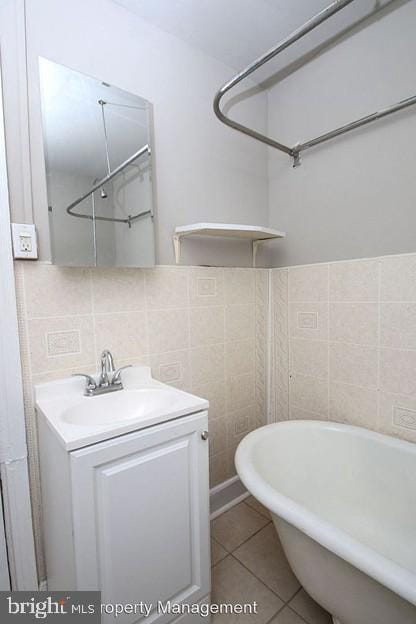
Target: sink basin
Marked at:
121, 406
79, 421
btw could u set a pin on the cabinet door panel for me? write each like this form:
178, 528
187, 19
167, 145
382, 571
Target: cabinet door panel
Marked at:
141, 516
144, 524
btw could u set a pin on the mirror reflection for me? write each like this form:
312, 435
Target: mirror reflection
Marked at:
98, 159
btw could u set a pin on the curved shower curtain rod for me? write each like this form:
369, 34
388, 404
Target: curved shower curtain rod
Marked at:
110, 175
295, 151
143, 150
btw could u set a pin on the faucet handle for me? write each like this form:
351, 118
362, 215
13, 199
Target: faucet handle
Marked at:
91, 383
117, 375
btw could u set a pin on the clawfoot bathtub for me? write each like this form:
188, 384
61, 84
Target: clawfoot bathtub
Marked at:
343, 501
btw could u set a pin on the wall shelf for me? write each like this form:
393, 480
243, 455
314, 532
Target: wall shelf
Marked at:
255, 233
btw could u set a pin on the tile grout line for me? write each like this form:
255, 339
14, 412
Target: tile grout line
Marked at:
252, 535
189, 333
294, 610
253, 573
259, 512
35, 317
379, 344
347, 302
368, 345
25, 321
154, 353
287, 328
285, 603
227, 410
328, 354
92, 302
276, 614
228, 555
270, 365
146, 315
366, 259
261, 581
337, 381
231, 554
30, 419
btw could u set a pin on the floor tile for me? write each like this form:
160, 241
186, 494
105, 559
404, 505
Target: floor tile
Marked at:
232, 583
217, 552
254, 503
263, 555
287, 616
305, 606
235, 526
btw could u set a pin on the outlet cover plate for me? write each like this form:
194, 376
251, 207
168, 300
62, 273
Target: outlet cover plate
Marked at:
25, 245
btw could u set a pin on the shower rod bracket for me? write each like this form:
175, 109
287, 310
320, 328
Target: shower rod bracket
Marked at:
297, 160
295, 151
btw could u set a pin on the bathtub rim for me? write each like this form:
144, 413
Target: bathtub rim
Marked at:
379, 567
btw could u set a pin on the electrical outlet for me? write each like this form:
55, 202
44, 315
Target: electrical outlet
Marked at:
24, 241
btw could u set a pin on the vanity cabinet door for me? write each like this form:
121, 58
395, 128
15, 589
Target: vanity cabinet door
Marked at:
141, 517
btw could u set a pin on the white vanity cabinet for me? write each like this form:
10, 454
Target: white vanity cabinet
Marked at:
130, 516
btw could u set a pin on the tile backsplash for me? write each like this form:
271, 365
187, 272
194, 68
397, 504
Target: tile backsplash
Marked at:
345, 343
201, 329
340, 339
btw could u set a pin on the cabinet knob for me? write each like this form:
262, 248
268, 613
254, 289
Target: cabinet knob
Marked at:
204, 435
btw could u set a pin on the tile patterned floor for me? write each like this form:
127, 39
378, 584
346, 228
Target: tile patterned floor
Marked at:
248, 563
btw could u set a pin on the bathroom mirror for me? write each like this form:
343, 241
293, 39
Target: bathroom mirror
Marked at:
98, 160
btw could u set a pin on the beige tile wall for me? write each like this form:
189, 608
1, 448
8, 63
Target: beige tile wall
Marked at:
201, 329
343, 337
345, 343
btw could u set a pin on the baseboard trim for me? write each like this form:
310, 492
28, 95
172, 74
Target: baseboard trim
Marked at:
225, 495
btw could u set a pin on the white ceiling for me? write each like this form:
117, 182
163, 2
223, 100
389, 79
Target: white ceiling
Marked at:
236, 32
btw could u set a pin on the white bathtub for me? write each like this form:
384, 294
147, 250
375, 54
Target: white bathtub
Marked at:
343, 500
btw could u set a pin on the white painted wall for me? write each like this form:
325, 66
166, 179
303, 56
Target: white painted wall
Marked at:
356, 196
353, 197
204, 171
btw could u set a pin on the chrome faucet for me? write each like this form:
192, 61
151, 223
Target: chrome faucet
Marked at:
107, 368
109, 380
